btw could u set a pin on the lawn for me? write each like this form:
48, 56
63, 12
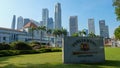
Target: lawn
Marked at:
54, 60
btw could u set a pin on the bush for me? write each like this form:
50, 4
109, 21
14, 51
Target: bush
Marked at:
56, 50
8, 52
4, 46
35, 45
21, 46
28, 51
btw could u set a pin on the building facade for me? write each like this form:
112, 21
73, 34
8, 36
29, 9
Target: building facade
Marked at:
57, 23
104, 31
13, 22
45, 15
20, 23
50, 23
26, 20
91, 26
73, 24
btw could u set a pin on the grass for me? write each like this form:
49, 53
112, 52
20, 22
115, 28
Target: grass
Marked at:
54, 60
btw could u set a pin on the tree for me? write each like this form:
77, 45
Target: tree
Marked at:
116, 3
75, 35
64, 32
91, 35
117, 33
32, 31
82, 33
41, 28
49, 32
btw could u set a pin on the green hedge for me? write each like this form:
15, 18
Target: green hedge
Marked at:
18, 52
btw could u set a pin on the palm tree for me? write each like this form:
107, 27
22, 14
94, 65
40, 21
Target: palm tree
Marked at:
49, 32
41, 28
32, 31
91, 35
64, 32
82, 33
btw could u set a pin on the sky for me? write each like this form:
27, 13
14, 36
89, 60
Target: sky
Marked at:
84, 9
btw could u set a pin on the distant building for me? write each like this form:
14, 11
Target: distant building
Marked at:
104, 31
26, 20
45, 15
57, 23
50, 23
73, 24
20, 23
13, 22
91, 26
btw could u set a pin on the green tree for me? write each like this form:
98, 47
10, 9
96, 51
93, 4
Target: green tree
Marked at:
75, 35
116, 3
91, 35
41, 29
117, 33
49, 32
32, 31
82, 33
64, 32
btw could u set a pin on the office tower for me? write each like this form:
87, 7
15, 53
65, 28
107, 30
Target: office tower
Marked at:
41, 23
13, 22
73, 25
91, 26
26, 20
45, 15
20, 23
104, 32
57, 23
50, 23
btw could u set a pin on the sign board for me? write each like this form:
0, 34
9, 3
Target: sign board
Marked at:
83, 50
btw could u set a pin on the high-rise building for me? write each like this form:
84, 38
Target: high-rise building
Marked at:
91, 26
73, 24
57, 23
104, 32
45, 15
20, 23
50, 23
26, 20
13, 22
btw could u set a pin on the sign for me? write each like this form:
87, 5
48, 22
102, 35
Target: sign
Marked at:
83, 50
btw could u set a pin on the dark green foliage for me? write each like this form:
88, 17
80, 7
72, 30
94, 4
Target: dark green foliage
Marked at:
4, 46
117, 33
35, 45
21, 46
18, 52
116, 3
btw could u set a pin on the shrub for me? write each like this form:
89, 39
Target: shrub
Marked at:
35, 45
56, 50
21, 46
4, 46
8, 52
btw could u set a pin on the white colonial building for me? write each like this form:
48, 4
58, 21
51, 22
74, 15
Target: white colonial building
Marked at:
8, 35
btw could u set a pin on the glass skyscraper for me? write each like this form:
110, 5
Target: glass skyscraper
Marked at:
45, 15
20, 23
91, 26
13, 22
57, 23
73, 25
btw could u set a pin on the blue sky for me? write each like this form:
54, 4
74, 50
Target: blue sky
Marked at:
84, 9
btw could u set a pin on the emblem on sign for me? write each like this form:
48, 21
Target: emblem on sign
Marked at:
84, 47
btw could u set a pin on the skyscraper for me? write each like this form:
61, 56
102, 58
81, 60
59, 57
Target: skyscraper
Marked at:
26, 20
104, 32
91, 26
50, 23
20, 23
45, 15
73, 24
13, 22
57, 23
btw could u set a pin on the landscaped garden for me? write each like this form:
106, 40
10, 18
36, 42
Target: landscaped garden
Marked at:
54, 60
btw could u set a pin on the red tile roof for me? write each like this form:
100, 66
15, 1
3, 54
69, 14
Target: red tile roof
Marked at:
30, 24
